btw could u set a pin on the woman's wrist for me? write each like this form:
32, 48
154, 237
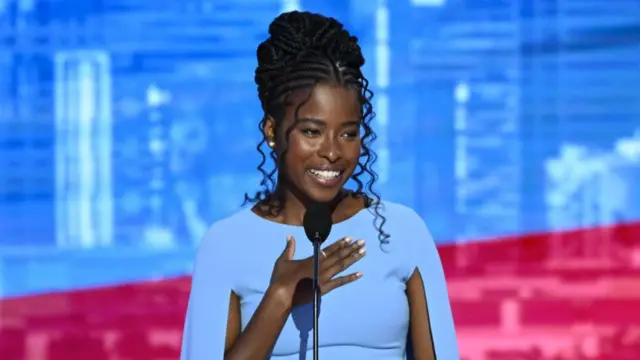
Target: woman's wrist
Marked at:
281, 296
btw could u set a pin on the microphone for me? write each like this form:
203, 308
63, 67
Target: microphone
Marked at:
317, 224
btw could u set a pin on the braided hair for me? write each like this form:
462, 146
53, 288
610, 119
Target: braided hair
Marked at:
303, 50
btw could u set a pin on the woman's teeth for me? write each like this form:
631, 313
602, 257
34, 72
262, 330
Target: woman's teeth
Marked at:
325, 174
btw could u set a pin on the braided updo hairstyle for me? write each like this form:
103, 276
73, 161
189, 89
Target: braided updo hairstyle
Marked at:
303, 50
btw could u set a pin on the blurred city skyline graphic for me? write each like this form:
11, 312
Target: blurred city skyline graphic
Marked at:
127, 127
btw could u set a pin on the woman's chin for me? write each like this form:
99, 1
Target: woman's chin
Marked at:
324, 195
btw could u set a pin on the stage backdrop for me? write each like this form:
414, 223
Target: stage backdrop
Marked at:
512, 126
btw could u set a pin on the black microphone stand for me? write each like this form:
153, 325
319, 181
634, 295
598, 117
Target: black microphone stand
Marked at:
316, 293
317, 226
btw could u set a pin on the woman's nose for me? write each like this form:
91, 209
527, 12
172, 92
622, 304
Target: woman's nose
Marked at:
330, 150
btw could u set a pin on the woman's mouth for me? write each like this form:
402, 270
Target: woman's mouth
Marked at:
326, 178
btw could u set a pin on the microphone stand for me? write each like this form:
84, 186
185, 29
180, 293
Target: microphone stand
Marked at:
317, 226
316, 293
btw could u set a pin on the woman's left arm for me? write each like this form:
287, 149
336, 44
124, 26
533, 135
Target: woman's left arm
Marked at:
420, 328
432, 330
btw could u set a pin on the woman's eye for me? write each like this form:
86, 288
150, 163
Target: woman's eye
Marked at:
311, 132
351, 135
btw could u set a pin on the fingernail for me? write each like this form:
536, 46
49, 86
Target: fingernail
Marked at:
360, 242
288, 237
362, 251
347, 239
359, 275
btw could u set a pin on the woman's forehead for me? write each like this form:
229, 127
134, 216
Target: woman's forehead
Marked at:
325, 101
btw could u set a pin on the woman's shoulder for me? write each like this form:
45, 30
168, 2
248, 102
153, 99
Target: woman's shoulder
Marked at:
233, 222
403, 225
398, 214
228, 233
409, 238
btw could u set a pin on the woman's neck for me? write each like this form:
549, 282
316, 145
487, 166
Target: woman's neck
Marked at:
294, 206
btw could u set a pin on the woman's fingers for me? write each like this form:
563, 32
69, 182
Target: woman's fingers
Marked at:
289, 249
342, 258
339, 281
340, 244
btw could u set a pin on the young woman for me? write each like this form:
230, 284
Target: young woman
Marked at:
384, 291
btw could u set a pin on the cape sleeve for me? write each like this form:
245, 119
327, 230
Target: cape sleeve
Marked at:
422, 254
205, 324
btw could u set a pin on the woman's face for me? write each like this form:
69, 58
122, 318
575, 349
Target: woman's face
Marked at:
324, 144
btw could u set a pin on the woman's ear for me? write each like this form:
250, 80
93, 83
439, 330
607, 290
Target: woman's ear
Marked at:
268, 130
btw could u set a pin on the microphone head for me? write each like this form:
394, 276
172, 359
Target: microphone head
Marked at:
317, 222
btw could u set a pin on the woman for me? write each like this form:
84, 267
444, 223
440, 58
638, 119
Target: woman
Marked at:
317, 115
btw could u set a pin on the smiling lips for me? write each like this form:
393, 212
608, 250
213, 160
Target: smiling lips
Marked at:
326, 177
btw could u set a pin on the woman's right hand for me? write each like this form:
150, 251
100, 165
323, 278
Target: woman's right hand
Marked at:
288, 273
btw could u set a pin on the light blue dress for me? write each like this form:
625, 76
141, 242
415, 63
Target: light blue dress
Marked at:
365, 320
